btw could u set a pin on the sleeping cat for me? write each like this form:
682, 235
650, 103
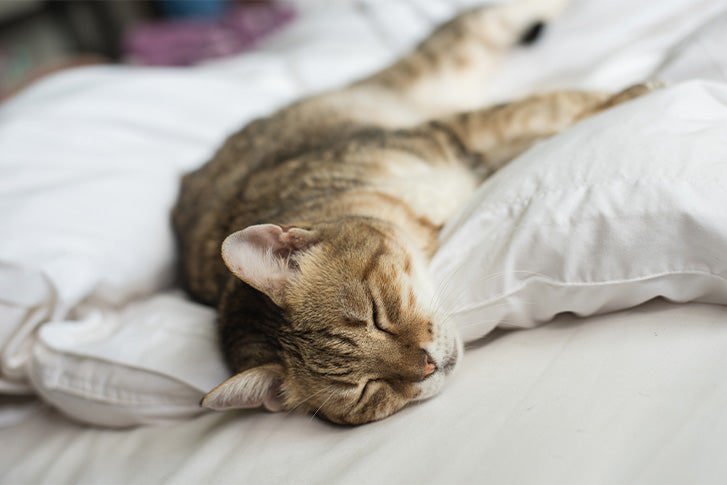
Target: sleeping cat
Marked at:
326, 214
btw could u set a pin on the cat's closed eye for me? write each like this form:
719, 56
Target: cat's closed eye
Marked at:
370, 389
375, 318
363, 392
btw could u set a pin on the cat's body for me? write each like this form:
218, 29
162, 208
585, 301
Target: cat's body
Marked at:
329, 211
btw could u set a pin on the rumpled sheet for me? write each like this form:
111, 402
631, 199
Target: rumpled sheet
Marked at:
629, 397
111, 139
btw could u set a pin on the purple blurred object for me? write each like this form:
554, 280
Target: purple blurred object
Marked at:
188, 42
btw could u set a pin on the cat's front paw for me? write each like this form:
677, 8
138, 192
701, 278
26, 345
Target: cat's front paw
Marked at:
633, 92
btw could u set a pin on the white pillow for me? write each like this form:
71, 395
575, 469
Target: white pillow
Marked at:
149, 363
622, 208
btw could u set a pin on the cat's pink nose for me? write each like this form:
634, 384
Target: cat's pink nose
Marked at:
429, 365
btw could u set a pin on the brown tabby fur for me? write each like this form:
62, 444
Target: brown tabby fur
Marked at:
368, 174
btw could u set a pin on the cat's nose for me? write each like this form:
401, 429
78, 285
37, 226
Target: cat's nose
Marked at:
428, 365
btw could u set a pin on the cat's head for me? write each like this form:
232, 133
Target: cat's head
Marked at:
360, 337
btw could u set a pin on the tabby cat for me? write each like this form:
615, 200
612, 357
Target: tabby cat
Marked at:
327, 212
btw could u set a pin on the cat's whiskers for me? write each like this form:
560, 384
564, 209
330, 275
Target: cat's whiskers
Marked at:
445, 286
485, 322
436, 299
497, 321
308, 398
322, 404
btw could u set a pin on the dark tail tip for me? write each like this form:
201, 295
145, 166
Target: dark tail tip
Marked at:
533, 33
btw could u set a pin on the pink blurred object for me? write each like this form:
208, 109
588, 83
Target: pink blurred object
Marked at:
190, 41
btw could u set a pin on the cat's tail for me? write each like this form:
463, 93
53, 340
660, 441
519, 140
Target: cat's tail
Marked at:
516, 21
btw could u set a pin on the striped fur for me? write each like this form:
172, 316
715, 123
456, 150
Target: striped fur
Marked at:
330, 210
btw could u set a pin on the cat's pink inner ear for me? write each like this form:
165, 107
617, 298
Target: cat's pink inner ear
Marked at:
259, 386
261, 256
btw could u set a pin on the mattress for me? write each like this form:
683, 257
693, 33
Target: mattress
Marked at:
594, 339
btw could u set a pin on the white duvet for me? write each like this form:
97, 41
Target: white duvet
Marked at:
623, 208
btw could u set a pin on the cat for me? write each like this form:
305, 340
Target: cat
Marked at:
327, 212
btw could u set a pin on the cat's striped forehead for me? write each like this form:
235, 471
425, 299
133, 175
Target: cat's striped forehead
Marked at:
365, 265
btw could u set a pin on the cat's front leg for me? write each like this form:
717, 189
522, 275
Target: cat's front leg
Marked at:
632, 92
449, 71
490, 138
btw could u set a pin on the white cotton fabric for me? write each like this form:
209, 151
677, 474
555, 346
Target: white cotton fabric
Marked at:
628, 397
622, 208
635, 396
89, 168
146, 364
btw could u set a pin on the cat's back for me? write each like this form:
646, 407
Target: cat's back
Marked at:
241, 185
313, 161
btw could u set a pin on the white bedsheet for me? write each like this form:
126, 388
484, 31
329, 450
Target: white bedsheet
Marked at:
629, 397
633, 396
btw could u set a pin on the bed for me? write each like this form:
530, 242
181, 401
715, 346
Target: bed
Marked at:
587, 279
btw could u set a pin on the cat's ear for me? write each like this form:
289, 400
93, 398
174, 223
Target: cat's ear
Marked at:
259, 386
263, 256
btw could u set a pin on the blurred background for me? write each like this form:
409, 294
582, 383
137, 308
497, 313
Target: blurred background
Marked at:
38, 37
